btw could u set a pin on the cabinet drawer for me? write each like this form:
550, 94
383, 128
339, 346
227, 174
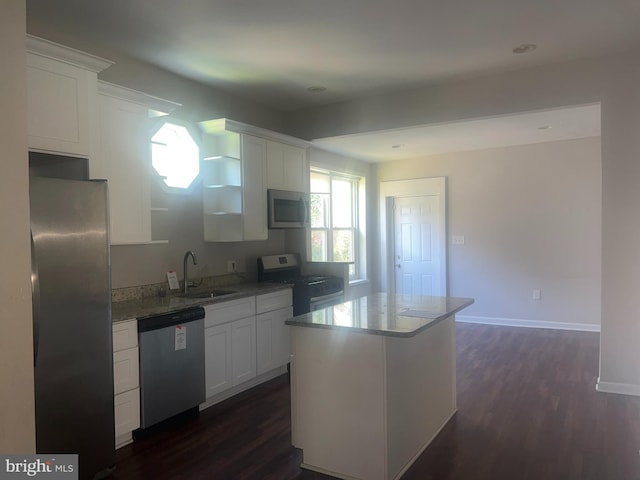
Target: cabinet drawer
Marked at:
125, 335
127, 411
224, 312
125, 370
273, 301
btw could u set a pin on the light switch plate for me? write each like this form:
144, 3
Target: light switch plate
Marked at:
457, 239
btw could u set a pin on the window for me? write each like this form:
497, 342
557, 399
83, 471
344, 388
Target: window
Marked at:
175, 156
336, 201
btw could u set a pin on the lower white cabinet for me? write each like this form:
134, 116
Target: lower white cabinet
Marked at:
240, 345
126, 383
243, 350
217, 354
273, 348
230, 344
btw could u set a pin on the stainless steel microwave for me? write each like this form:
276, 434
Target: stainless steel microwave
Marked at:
288, 209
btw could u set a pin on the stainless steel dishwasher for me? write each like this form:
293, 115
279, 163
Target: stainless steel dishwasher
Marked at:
171, 364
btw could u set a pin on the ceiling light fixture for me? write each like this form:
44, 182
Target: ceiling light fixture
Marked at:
525, 48
399, 145
316, 89
545, 127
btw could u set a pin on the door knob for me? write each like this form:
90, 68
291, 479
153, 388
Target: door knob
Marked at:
399, 265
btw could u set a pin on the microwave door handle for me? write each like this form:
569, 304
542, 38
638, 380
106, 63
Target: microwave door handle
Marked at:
305, 207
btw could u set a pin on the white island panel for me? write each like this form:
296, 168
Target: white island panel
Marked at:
339, 414
373, 382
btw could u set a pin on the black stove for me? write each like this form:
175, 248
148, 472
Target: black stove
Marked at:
310, 292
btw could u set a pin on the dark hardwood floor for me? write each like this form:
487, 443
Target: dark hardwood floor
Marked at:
527, 409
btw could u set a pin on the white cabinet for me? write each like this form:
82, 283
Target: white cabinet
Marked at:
122, 155
230, 355
244, 339
243, 350
254, 191
126, 380
234, 189
217, 352
61, 97
287, 167
230, 338
273, 341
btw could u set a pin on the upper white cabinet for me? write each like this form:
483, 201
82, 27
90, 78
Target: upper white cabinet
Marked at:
234, 184
239, 163
61, 97
287, 167
122, 155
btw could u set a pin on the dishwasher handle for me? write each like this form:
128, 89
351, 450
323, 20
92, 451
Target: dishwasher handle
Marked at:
155, 322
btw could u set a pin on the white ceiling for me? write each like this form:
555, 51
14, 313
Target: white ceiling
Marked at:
503, 131
272, 51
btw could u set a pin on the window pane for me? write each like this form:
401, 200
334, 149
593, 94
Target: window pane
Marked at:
319, 210
319, 182
343, 245
175, 155
342, 203
319, 245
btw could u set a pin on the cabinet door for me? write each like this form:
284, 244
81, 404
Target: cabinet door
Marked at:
243, 350
126, 372
286, 167
58, 106
217, 355
254, 188
123, 159
127, 412
273, 340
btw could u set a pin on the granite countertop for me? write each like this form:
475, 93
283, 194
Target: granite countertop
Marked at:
384, 314
147, 306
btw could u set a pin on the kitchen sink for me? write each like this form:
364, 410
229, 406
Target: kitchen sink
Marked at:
210, 293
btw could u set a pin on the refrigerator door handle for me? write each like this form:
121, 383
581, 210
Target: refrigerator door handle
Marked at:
35, 298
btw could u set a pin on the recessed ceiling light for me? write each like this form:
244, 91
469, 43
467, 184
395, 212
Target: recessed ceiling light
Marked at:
316, 89
545, 127
525, 48
399, 145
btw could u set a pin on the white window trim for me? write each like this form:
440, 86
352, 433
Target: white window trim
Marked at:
359, 229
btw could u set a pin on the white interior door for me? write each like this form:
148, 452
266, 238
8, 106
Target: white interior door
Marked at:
418, 245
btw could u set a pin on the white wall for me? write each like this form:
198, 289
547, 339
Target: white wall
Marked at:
531, 218
182, 226
613, 81
17, 418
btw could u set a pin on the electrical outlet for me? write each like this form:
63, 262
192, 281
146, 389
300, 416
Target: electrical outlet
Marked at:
536, 294
231, 266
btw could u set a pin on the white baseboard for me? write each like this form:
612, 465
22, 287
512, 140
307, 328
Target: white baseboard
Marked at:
512, 322
619, 388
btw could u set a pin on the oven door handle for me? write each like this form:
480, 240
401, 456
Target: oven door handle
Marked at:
324, 298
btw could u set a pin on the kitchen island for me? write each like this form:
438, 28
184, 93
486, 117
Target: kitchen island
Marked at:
373, 380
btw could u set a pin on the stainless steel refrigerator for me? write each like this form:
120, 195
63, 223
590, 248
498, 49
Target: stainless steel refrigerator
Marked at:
73, 354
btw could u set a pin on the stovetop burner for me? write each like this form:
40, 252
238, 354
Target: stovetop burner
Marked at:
287, 268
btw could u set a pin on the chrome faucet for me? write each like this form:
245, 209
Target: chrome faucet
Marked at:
186, 277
